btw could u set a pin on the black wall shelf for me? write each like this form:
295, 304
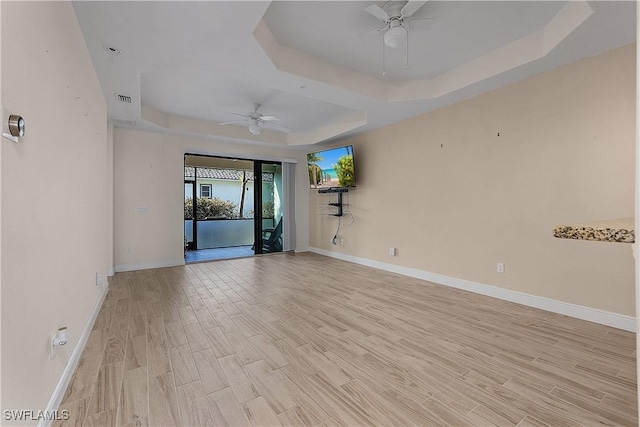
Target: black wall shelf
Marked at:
338, 204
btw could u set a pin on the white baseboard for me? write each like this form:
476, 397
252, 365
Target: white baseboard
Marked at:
72, 363
602, 317
148, 265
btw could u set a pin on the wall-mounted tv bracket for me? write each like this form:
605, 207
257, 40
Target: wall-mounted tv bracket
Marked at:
338, 204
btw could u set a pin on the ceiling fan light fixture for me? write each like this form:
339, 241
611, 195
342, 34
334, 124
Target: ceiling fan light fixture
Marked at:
254, 129
395, 36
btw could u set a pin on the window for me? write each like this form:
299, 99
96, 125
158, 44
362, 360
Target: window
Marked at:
205, 191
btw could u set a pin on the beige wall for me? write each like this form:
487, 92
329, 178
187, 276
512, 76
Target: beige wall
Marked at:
149, 173
455, 198
110, 252
53, 196
1, 117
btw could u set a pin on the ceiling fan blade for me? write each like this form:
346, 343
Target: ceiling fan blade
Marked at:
237, 114
378, 12
269, 118
412, 7
421, 24
374, 32
276, 126
232, 123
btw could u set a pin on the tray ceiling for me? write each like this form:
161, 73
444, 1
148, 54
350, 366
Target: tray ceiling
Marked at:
185, 65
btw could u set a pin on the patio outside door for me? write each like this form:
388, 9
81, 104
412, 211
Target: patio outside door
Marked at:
233, 207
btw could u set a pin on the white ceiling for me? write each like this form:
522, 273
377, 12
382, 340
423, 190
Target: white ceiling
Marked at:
331, 31
203, 95
186, 65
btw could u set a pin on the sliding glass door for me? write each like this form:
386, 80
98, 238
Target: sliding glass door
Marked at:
271, 224
232, 206
189, 224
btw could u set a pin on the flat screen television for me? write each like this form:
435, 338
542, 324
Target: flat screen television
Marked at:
332, 168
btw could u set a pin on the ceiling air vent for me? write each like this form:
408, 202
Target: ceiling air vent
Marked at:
123, 98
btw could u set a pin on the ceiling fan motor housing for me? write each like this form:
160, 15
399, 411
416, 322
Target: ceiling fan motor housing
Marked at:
394, 9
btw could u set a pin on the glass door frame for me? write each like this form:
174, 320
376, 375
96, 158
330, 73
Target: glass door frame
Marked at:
193, 210
257, 202
258, 227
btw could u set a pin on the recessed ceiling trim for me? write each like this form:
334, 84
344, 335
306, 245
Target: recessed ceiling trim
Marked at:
566, 21
239, 133
204, 127
311, 67
353, 121
565, 32
512, 55
508, 57
515, 54
122, 122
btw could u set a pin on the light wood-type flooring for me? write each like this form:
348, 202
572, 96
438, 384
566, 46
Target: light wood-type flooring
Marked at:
306, 340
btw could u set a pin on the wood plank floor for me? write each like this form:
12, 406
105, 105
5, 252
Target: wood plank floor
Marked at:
306, 340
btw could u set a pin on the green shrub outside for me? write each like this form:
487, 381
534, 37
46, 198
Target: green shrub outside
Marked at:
210, 208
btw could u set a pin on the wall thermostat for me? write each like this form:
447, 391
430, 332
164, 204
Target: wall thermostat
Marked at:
16, 125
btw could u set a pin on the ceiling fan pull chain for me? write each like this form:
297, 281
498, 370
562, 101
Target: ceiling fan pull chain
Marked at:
407, 50
383, 68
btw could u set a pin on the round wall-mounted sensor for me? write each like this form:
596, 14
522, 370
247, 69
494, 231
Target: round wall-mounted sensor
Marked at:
16, 125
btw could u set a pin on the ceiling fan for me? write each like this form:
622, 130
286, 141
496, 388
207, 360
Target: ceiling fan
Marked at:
396, 28
256, 121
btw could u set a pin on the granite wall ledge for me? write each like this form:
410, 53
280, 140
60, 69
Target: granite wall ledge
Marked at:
616, 230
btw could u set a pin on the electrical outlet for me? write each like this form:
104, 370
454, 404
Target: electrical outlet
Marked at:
129, 250
392, 251
99, 279
500, 267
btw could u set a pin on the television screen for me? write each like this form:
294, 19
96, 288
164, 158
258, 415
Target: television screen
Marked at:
332, 168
